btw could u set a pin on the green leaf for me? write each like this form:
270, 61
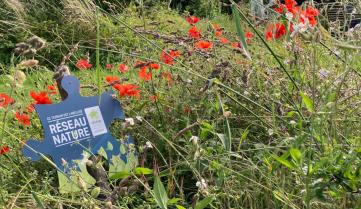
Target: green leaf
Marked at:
180, 207
160, 194
295, 154
120, 175
143, 171
240, 31
174, 200
307, 101
202, 204
284, 162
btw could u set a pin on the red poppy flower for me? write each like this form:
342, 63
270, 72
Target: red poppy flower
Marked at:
203, 45
192, 20
277, 31
153, 98
22, 118
127, 90
83, 64
112, 79
193, 32
249, 34
123, 68
109, 66
5, 100
144, 75
218, 33
169, 58
154, 66
52, 89
223, 40
236, 45
4, 150
41, 98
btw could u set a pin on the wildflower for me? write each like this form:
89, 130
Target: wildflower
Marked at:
144, 75
112, 79
154, 66
202, 184
223, 40
277, 31
123, 68
218, 33
194, 33
168, 58
83, 64
127, 90
236, 45
5, 100
203, 45
41, 98
129, 121
194, 140
153, 98
192, 20
269, 35
149, 145
22, 118
4, 150
52, 89
109, 66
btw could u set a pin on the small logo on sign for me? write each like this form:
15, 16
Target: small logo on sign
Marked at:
96, 122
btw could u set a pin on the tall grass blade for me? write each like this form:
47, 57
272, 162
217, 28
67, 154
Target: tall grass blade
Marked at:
240, 32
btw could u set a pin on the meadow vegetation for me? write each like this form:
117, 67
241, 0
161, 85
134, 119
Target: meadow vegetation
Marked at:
227, 111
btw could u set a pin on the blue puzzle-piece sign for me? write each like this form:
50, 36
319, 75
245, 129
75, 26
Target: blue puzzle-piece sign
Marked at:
76, 124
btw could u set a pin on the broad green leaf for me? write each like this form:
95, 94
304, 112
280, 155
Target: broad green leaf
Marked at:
202, 204
307, 101
284, 162
180, 207
142, 171
174, 200
160, 194
295, 154
120, 175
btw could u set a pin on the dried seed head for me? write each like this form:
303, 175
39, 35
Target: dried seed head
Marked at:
19, 77
36, 42
28, 63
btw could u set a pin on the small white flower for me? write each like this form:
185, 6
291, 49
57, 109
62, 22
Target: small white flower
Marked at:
289, 16
130, 121
194, 140
270, 132
292, 122
202, 184
149, 145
